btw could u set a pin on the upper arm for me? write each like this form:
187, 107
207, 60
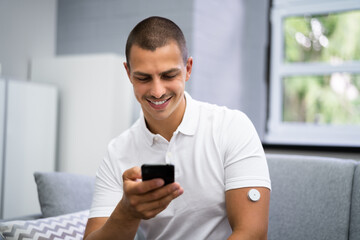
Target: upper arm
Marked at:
94, 224
245, 216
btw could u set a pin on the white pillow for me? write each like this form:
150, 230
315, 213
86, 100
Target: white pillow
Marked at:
69, 226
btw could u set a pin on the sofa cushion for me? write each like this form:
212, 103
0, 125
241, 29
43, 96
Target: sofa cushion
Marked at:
355, 207
310, 197
70, 226
61, 193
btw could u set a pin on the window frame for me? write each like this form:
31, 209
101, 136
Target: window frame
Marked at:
288, 133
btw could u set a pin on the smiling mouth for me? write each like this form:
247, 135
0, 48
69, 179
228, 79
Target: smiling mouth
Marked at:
159, 104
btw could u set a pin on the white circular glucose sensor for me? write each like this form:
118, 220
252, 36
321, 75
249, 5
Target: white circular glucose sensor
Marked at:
254, 195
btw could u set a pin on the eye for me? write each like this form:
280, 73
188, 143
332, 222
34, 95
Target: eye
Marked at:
169, 76
142, 79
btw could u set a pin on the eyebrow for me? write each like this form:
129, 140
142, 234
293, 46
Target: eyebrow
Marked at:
172, 70
141, 73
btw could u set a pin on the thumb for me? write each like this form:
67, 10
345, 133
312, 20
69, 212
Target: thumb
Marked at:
132, 174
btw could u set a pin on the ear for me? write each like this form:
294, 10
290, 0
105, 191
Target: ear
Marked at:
127, 70
189, 64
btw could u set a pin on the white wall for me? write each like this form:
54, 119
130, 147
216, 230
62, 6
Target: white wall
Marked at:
96, 100
2, 139
27, 29
96, 26
230, 46
29, 144
217, 54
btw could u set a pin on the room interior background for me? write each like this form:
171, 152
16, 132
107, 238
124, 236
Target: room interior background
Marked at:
229, 41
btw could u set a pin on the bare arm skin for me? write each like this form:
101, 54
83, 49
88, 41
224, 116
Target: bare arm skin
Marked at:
248, 220
141, 200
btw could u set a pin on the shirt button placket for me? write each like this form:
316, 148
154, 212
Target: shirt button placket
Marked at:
169, 154
169, 159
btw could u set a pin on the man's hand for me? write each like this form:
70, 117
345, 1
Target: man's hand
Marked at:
141, 200
144, 200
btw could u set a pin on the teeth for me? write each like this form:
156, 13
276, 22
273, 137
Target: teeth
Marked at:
159, 102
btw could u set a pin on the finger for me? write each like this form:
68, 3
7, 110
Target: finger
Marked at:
132, 174
151, 209
161, 192
151, 214
140, 188
156, 195
151, 185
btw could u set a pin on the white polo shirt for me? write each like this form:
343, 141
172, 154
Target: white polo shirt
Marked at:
214, 149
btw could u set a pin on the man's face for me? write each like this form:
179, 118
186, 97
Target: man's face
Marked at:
158, 79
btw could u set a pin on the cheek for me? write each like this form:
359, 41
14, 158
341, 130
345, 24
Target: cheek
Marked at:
179, 85
139, 89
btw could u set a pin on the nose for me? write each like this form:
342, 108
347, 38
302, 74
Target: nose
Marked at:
158, 89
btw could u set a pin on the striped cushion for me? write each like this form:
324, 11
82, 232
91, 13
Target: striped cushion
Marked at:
69, 226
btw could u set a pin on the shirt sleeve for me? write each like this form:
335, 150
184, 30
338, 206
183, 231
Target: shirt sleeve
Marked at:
245, 163
108, 189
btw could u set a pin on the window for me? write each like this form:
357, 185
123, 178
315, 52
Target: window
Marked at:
315, 73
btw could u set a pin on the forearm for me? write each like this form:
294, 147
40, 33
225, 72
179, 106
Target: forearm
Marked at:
118, 226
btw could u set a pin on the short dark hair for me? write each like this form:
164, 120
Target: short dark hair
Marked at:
154, 32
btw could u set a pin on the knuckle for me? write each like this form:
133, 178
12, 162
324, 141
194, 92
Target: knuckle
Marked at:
171, 189
175, 194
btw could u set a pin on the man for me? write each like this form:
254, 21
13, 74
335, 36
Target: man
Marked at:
217, 155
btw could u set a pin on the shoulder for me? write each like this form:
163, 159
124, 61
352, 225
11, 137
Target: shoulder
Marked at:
222, 115
229, 127
213, 113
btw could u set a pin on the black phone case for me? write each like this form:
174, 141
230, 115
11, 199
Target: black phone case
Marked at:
165, 171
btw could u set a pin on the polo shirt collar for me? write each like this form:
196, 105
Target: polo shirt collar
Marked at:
148, 136
187, 126
190, 120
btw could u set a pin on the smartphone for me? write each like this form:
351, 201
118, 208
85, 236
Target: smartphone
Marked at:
164, 171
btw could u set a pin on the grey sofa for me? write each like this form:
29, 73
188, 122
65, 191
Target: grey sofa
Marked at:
64, 200
312, 198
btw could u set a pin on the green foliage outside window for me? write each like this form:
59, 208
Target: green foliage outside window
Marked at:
312, 99
332, 39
